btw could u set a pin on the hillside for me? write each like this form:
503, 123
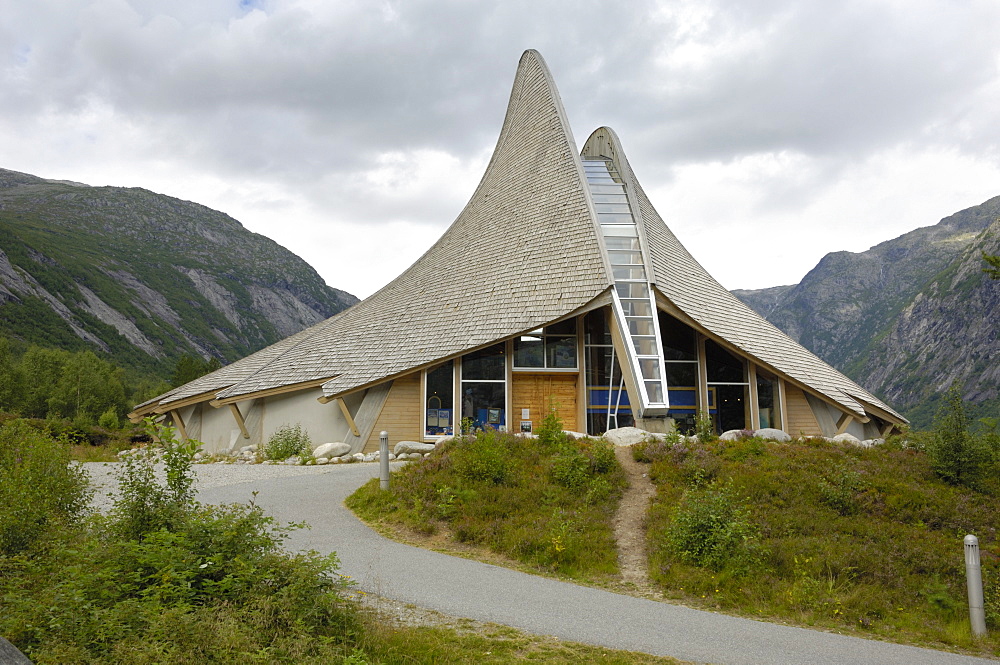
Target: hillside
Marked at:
906, 317
145, 277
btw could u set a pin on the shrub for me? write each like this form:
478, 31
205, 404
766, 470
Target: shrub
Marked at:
958, 457
602, 456
840, 489
286, 442
483, 458
143, 505
571, 468
704, 427
712, 529
109, 420
38, 486
550, 434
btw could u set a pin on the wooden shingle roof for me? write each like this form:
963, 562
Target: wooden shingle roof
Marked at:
524, 252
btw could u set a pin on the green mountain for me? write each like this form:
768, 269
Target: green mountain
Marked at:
145, 278
906, 318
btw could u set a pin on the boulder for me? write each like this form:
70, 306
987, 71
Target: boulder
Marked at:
412, 447
626, 436
329, 450
357, 457
733, 435
871, 443
847, 438
772, 434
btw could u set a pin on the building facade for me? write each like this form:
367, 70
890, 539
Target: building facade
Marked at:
558, 287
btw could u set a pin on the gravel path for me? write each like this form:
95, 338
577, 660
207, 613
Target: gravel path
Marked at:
464, 588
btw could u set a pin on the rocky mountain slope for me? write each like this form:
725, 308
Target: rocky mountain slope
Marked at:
907, 317
145, 277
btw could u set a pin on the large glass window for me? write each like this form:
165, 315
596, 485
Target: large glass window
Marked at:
553, 347
439, 400
768, 403
680, 355
484, 387
607, 400
728, 388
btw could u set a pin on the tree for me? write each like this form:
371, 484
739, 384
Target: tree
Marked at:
10, 378
88, 386
189, 368
957, 455
992, 265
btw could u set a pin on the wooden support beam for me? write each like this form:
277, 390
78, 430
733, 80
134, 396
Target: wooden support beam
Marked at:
753, 410
844, 422
180, 424
887, 430
239, 420
348, 417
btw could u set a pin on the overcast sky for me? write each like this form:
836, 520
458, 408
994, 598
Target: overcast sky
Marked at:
766, 133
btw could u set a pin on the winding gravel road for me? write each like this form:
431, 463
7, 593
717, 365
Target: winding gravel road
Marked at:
464, 588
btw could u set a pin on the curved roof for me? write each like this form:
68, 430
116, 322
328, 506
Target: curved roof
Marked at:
521, 254
524, 251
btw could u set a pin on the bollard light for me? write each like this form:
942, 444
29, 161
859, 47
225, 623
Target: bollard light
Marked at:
974, 579
383, 459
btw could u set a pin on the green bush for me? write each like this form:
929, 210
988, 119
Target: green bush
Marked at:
287, 441
39, 486
483, 458
109, 420
142, 504
571, 468
711, 528
958, 456
840, 489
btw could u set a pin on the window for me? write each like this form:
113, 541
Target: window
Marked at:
680, 356
439, 400
607, 400
728, 388
552, 347
484, 387
768, 403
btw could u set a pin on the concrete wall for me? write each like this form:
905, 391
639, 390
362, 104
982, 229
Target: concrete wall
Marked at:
323, 422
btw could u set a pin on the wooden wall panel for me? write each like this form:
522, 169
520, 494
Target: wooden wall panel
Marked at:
537, 391
400, 415
800, 416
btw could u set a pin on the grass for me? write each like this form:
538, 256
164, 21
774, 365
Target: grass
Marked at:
164, 579
867, 541
546, 504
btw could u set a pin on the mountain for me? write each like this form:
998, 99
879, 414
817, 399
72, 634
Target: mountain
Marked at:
145, 277
907, 317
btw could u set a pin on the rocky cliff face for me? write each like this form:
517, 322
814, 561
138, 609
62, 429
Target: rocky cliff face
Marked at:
906, 317
144, 276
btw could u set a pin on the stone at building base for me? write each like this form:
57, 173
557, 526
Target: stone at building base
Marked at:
772, 434
412, 447
335, 449
11, 655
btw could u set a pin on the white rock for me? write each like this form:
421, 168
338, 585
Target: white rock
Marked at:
335, 449
772, 434
847, 438
358, 457
871, 443
444, 439
322, 460
732, 435
412, 447
392, 456
625, 436
574, 435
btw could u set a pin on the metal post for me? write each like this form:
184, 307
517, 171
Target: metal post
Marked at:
383, 461
974, 579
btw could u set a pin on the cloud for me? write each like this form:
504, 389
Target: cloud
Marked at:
353, 117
